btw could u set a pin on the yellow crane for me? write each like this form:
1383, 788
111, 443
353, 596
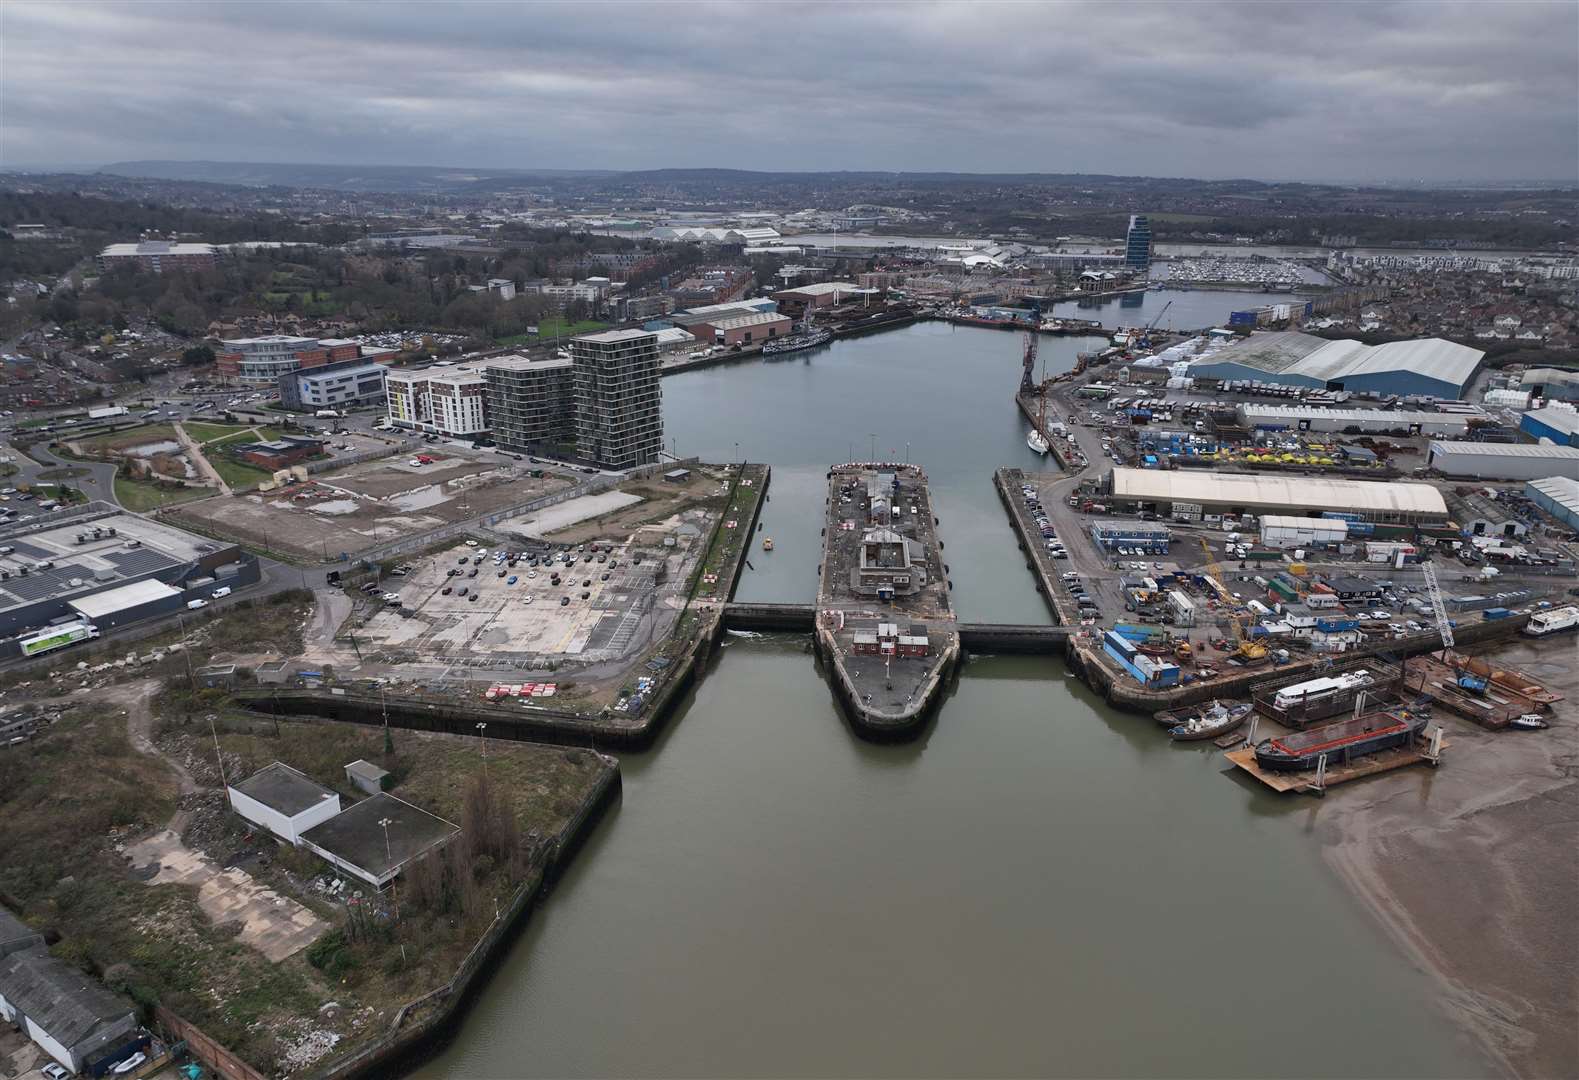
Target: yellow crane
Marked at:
1244, 648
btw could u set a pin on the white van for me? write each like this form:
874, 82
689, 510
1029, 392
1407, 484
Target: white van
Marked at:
193, 605
223, 590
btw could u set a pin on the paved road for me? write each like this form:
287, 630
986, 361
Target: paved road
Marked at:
98, 483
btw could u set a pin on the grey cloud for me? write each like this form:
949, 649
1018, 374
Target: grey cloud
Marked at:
1315, 91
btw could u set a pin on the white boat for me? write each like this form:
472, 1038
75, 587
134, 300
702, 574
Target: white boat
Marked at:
1552, 622
1529, 722
1036, 441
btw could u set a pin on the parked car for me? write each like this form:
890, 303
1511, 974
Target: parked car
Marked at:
461, 591
563, 600
446, 590
55, 1071
512, 580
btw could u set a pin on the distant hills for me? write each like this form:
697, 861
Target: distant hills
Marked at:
386, 178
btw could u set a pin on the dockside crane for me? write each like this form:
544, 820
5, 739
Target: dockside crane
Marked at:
1145, 335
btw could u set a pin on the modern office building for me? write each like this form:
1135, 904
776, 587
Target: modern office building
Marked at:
531, 404
262, 360
333, 386
619, 405
1137, 242
448, 400
159, 256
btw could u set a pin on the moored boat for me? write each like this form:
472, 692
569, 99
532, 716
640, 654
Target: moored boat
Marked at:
796, 342
1036, 441
1210, 723
1529, 722
1340, 741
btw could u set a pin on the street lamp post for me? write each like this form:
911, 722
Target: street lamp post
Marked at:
390, 855
482, 733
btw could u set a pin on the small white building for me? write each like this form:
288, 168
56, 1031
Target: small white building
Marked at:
284, 801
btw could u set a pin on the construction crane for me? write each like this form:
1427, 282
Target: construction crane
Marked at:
1438, 608
1027, 382
1145, 335
1244, 648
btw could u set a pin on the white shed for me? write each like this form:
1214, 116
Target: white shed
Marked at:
283, 801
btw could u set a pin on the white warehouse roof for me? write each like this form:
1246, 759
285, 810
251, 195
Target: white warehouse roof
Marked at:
1303, 356
1308, 492
99, 604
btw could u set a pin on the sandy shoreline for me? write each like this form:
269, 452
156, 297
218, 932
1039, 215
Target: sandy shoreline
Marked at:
1474, 870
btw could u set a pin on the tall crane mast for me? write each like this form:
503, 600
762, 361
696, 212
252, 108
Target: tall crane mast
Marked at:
1027, 380
1438, 609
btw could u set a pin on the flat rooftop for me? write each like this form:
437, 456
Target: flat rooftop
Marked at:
356, 835
615, 337
282, 788
97, 605
94, 563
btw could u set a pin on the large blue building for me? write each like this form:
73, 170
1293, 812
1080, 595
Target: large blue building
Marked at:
1137, 242
1561, 426
1429, 367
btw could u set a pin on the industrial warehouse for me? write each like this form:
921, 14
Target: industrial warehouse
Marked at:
1504, 461
1428, 366
1370, 421
107, 568
1185, 491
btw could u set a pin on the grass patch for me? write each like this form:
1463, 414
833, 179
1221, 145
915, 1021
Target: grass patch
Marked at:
237, 474
121, 440
206, 433
552, 328
141, 496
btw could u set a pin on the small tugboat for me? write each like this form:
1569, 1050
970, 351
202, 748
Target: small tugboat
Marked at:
1528, 722
1210, 723
767, 543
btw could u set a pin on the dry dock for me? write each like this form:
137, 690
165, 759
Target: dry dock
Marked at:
885, 626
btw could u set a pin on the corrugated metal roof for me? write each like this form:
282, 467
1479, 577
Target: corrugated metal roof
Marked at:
1519, 450
1564, 420
1304, 356
57, 997
1314, 492
1560, 489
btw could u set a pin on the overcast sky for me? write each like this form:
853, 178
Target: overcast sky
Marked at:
1334, 91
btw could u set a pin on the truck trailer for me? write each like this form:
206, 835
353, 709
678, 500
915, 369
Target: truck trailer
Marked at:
57, 637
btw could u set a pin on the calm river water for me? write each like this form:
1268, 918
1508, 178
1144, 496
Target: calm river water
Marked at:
1038, 886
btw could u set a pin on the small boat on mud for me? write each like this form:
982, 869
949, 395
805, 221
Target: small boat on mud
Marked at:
1528, 722
1210, 723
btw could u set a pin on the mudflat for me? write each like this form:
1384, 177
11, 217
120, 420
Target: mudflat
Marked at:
1474, 868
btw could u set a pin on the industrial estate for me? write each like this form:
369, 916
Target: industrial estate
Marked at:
348, 544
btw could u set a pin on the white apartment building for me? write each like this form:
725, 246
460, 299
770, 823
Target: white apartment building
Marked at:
449, 400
